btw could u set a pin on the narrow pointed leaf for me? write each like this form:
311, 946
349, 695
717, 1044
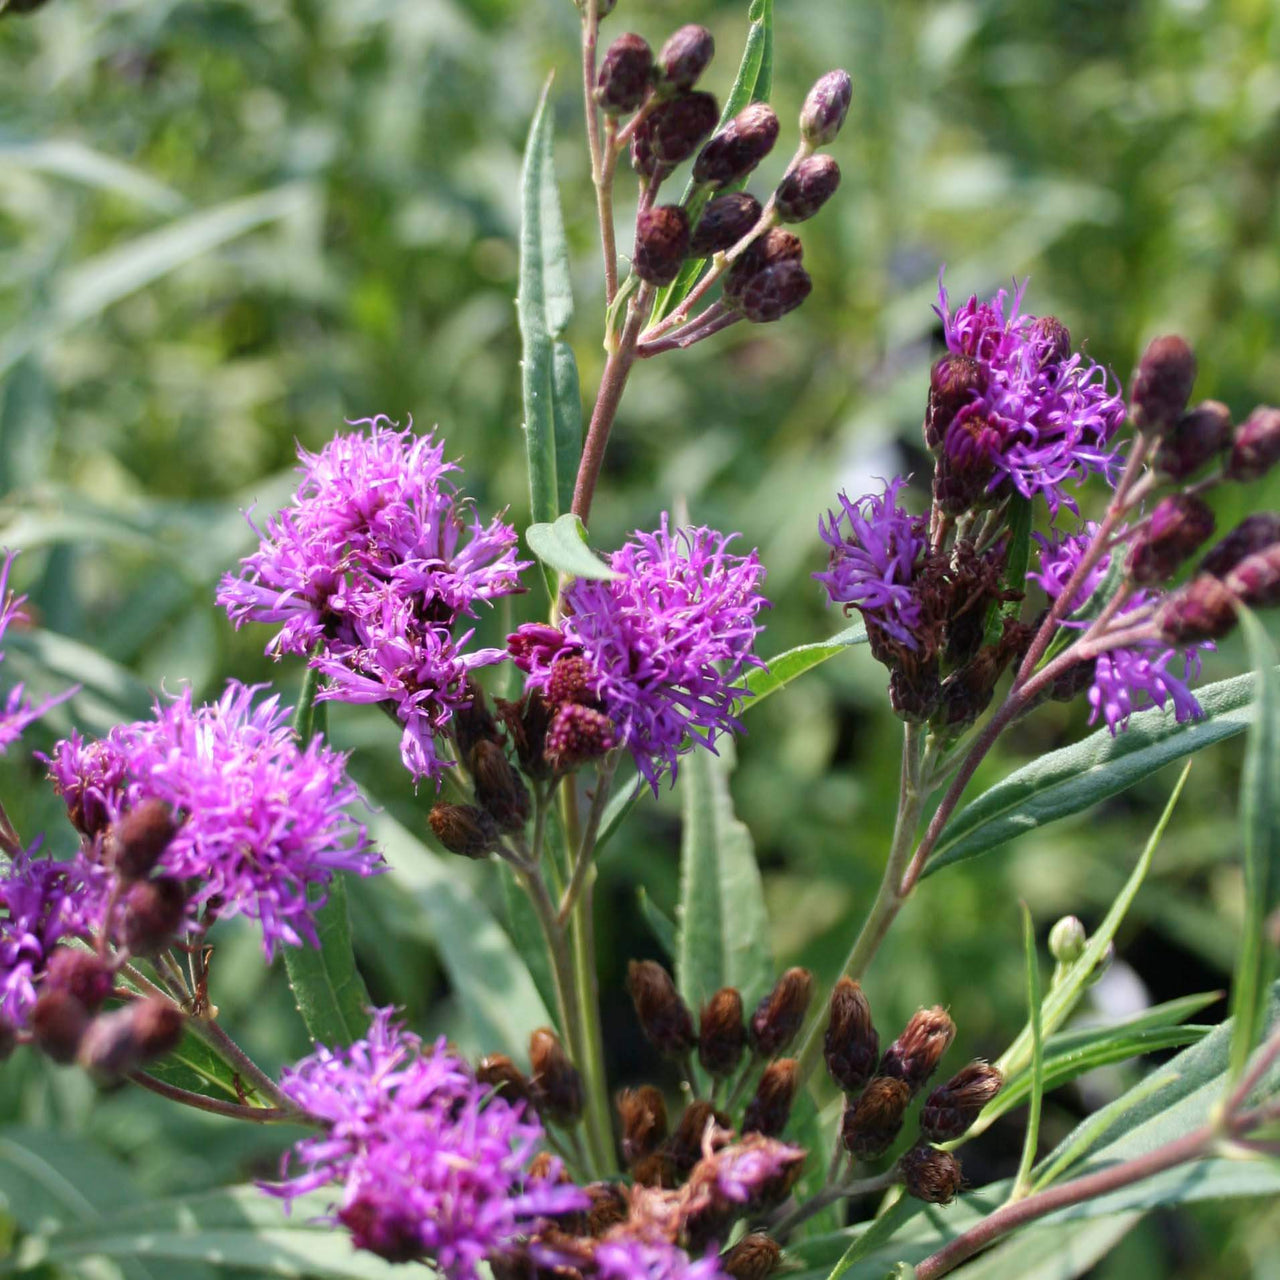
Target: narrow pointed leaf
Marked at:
781, 670
562, 548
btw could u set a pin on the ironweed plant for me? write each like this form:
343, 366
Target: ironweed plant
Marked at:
789, 1132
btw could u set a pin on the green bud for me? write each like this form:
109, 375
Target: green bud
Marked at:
1067, 940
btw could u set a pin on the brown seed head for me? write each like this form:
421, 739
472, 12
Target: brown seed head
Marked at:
754, 1257
136, 843
662, 243
1256, 447
914, 1055
872, 1123
464, 829
626, 75
931, 1175
504, 1077
951, 1108
84, 974
685, 56
779, 1014
722, 1036
499, 788
770, 1109
825, 108
578, 734
1178, 527
806, 187
643, 1114
725, 220
556, 1084
1162, 384
1205, 609
851, 1046
664, 1016
736, 150
1198, 436
151, 914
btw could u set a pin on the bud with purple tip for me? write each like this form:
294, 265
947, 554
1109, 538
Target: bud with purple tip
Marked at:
1199, 435
1178, 527
1205, 609
1253, 533
825, 108
685, 56
1162, 384
1256, 579
806, 187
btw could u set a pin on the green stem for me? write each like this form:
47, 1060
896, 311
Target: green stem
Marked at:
304, 717
587, 844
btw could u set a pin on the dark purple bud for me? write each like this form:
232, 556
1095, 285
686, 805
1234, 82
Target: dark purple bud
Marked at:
643, 160
151, 915
851, 1046
664, 1017
914, 1055
930, 1174
676, 128
724, 222
872, 1123
136, 843
121, 1041
806, 187
1256, 448
736, 150
626, 74
966, 693
685, 56
643, 1113
771, 293
952, 1108
1199, 435
1053, 338
915, 694
779, 1014
1179, 526
684, 1149
58, 1024
754, 1257
474, 722
526, 723
776, 245
770, 1108
1253, 533
662, 243
556, 1084
825, 108
1256, 579
578, 734
504, 1077
1162, 384
84, 974
1205, 609
499, 788
722, 1035
464, 829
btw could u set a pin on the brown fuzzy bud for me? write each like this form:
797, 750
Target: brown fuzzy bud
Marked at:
1256, 447
499, 788
662, 243
1178, 527
1253, 533
608, 1207
722, 1035
526, 723
779, 1014
1256, 579
626, 73
570, 680
135, 844
1205, 609
724, 222
577, 735
952, 1108
556, 1084
806, 187
872, 1123
754, 1257
770, 1109
84, 974
504, 1077
776, 245
931, 1175
686, 55
773, 292
825, 108
966, 693
914, 1055
474, 722
151, 915
684, 1147
657, 1170
675, 129
464, 829
851, 1046
1162, 384
1199, 435
736, 150
664, 1017
58, 1024
643, 1113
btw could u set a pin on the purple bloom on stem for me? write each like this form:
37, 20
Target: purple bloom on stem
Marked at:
743, 1169
651, 1260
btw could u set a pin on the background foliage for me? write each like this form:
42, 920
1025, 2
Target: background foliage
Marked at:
227, 225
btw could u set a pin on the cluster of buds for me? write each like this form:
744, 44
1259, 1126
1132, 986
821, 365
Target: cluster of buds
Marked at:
879, 1087
553, 1088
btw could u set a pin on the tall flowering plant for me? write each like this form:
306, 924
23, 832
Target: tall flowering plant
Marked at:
983, 589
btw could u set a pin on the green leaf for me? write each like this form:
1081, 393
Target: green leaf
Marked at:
73, 160
1074, 778
562, 547
1022, 1183
544, 308
194, 1065
722, 937
1260, 815
1053, 1252
660, 924
780, 671
878, 1234
526, 934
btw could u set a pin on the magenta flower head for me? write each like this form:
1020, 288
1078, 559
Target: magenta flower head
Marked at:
630, 1259
660, 649
1143, 674
373, 563
263, 821
1031, 413
432, 1165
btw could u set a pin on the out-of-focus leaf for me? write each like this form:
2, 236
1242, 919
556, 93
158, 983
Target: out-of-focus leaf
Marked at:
1035, 1069
108, 692
660, 924
68, 158
1054, 1252
878, 1234
780, 671
526, 934
562, 546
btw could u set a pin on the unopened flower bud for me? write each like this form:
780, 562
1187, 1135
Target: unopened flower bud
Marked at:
125, 1039
84, 974
526, 723
1199, 435
872, 1123
1053, 339
1256, 579
578, 734
473, 722
685, 56
914, 1055
608, 1207
499, 788
806, 187
135, 844
966, 693
465, 829
504, 1077
930, 1174
778, 1016
1256, 447
675, 129
664, 1016
626, 73
915, 695
684, 1148
722, 1035
754, 1257
1178, 527
643, 1114
772, 293
556, 1084
770, 1108
1067, 940
736, 150
1205, 609
662, 243
151, 915
58, 1024
1162, 384
1253, 533
851, 1046
571, 680
1105, 961
951, 1108
825, 108
724, 222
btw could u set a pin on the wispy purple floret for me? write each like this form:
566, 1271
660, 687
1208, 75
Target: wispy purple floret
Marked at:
652, 1260
875, 549
432, 1165
667, 641
744, 1169
1125, 680
375, 560
1040, 415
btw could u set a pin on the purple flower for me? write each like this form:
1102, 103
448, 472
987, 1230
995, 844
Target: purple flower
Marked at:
664, 644
873, 565
432, 1164
374, 561
624, 1259
1038, 415
745, 1168
1143, 674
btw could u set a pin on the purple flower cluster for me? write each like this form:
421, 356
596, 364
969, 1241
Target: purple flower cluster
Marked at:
1034, 413
664, 644
625, 1259
1125, 680
263, 821
368, 571
432, 1164
18, 711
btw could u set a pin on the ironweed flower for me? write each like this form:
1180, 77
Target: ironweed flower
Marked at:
18, 711
625, 1259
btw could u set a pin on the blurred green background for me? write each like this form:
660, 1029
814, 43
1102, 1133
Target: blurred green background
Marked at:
228, 226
